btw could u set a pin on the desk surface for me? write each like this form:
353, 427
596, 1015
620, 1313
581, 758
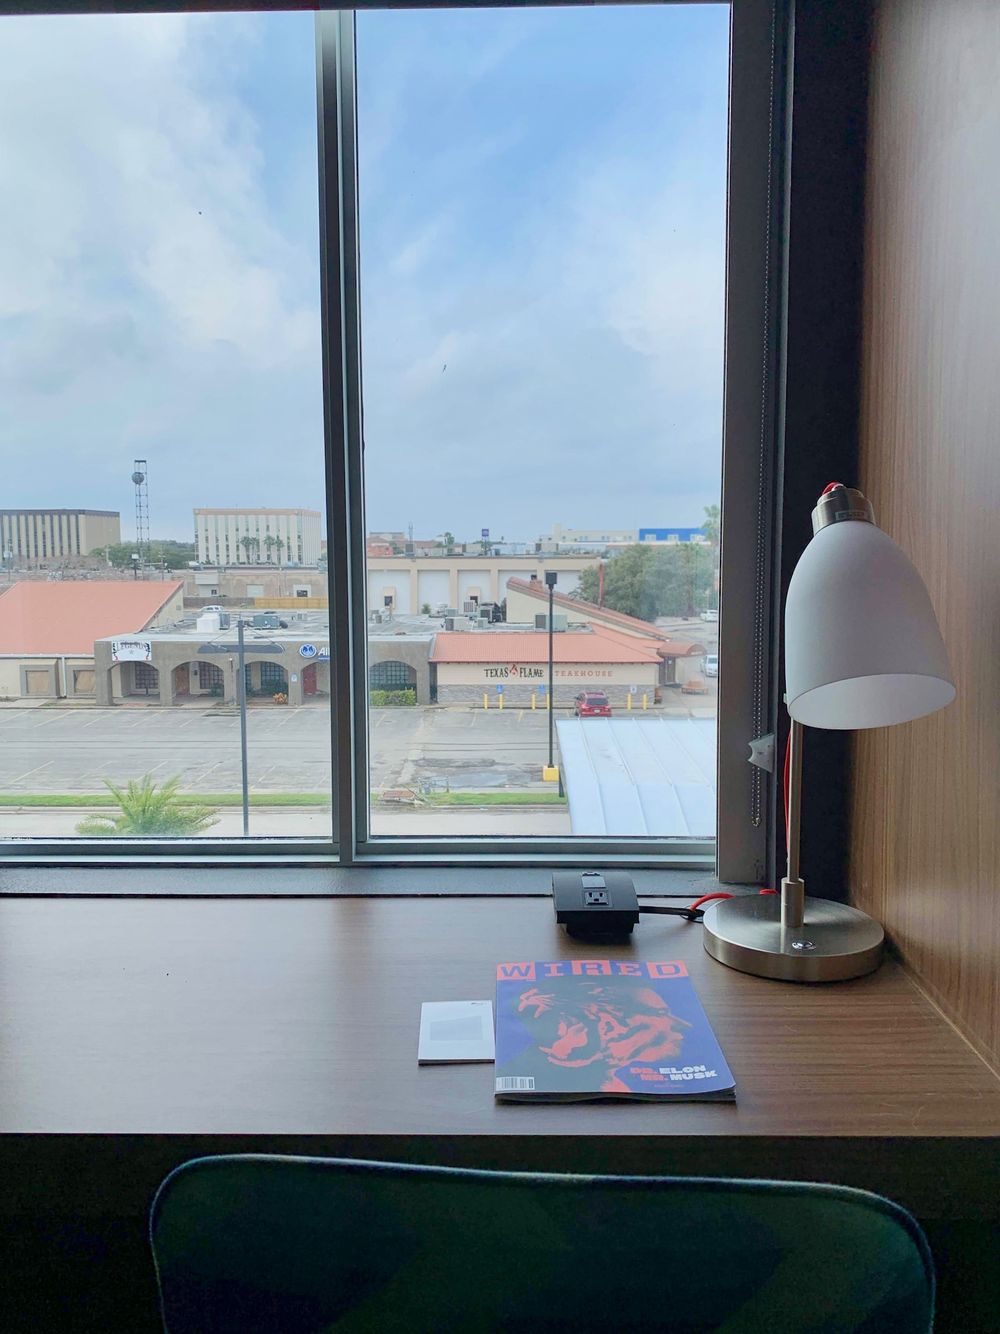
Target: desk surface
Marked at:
298, 1018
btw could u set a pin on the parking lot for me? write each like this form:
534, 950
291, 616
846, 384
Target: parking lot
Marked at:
417, 754
73, 750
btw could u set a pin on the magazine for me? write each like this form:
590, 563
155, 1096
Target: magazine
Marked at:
582, 1029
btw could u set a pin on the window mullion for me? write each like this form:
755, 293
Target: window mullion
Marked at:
342, 422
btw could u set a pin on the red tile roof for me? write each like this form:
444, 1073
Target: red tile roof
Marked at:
667, 648
610, 620
537, 589
569, 646
66, 616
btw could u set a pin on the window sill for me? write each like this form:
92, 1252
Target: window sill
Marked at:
314, 881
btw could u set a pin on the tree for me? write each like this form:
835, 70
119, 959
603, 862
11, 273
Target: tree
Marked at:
269, 541
174, 555
710, 526
249, 543
649, 581
279, 546
626, 582
147, 810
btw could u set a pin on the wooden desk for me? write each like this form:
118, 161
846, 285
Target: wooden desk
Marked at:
137, 1033
293, 1024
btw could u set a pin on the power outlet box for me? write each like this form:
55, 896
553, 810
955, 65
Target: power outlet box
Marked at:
595, 905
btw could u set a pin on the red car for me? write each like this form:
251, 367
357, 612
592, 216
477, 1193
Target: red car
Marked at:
592, 704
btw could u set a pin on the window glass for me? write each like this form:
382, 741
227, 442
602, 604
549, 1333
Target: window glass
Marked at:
160, 373
542, 241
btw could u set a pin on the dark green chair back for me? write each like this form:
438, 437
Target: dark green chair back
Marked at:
254, 1243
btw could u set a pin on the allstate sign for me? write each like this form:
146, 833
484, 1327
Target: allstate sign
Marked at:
307, 650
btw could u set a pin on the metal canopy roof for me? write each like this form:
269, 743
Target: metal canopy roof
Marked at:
640, 777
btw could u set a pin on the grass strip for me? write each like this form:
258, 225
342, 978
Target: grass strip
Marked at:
90, 800
494, 799
97, 799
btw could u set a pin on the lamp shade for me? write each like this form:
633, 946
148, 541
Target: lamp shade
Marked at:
862, 644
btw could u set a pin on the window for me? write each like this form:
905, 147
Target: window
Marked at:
534, 323
83, 680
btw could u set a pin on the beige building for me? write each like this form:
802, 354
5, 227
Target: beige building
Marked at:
528, 603
48, 630
257, 536
32, 538
405, 584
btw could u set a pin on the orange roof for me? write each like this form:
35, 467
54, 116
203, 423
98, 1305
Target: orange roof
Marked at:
630, 625
533, 646
536, 588
66, 616
666, 648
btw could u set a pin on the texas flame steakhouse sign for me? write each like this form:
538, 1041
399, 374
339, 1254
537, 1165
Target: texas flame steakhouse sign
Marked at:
514, 673
532, 674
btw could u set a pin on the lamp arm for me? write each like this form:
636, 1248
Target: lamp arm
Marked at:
793, 890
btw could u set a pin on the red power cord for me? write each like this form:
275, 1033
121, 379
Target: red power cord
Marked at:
785, 778
785, 785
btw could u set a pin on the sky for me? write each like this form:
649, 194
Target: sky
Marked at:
542, 265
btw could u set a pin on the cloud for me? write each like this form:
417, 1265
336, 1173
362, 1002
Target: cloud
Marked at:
143, 269
132, 183
582, 330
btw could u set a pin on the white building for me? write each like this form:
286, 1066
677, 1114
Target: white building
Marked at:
257, 536
587, 537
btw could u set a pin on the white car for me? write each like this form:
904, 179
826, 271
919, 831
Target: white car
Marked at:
711, 664
213, 607
711, 615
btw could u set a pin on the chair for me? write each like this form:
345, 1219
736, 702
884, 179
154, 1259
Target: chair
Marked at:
254, 1243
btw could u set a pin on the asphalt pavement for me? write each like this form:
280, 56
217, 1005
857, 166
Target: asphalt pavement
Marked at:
74, 749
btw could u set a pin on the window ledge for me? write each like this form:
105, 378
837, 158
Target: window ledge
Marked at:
312, 882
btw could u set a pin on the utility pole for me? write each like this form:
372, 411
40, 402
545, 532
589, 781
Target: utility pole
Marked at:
551, 773
241, 690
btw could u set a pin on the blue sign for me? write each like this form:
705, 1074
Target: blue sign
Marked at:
307, 650
499, 690
541, 690
486, 533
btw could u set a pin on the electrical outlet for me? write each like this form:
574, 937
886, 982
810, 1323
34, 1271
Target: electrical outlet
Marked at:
595, 905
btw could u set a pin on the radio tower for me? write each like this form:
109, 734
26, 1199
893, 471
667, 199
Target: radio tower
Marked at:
141, 510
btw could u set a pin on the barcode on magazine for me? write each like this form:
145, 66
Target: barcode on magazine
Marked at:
515, 1083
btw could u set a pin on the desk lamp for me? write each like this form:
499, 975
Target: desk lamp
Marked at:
862, 649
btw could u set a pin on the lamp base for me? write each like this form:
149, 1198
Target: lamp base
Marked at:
834, 943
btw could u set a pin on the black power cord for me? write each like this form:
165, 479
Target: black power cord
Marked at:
691, 914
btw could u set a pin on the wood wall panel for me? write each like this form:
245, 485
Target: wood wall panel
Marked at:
925, 800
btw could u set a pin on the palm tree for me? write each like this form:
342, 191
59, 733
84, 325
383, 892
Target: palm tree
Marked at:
279, 547
247, 542
148, 810
269, 541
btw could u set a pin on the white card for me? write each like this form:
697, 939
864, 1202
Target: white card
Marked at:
456, 1031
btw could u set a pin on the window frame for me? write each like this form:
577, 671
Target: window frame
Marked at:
760, 47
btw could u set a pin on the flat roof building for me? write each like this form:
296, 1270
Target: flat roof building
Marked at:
257, 536
33, 538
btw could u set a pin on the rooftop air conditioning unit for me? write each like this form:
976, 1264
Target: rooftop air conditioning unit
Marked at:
449, 622
469, 608
559, 622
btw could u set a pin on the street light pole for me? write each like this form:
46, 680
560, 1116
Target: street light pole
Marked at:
550, 580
